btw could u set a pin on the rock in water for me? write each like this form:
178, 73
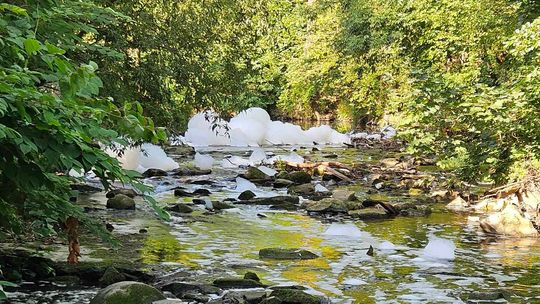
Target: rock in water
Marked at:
111, 276
299, 177
237, 283
180, 208
255, 174
292, 296
246, 195
458, 204
438, 248
286, 254
509, 221
128, 192
344, 195
121, 202
128, 292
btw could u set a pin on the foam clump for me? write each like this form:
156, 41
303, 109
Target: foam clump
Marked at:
267, 171
203, 162
438, 248
147, 156
320, 188
253, 127
386, 245
293, 158
243, 184
257, 156
345, 230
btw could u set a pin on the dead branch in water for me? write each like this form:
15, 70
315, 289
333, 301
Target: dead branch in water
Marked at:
322, 168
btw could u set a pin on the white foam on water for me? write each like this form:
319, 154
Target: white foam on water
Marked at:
257, 156
386, 245
344, 230
267, 171
243, 184
320, 188
203, 161
439, 248
235, 162
354, 282
154, 157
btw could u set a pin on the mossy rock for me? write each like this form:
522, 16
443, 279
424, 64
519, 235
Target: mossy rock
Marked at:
303, 189
246, 195
282, 183
111, 276
299, 177
286, 254
128, 292
127, 192
255, 174
121, 202
371, 213
180, 208
252, 276
221, 205
292, 296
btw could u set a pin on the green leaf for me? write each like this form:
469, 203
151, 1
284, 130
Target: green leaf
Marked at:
52, 49
31, 46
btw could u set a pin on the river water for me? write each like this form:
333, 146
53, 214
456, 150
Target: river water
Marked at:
400, 271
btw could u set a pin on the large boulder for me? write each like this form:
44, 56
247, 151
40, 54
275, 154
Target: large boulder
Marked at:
128, 292
121, 202
509, 221
286, 254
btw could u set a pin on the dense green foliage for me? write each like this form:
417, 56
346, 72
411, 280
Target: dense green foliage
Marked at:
51, 120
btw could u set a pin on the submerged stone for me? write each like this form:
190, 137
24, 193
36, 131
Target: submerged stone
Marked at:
286, 254
273, 200
371, 213
180, 208
121, 202
227, 283
128, 292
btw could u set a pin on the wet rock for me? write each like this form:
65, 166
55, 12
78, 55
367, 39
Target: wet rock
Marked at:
344, 195
182, 193
458, 204
202, 182
333, 155
490, 205
371, 213
128, 292
154, 172
111, 276
286, 254
282, 183
299, 177
389, 162
252, 276
202, 192
441, 195
487, 295
417, 210
67, 280
509, 221
169, 301
242, 296
127, 192
121, 202
255, 174
179, 289
246, 195
221, 205
287, 207
291, 296
143, 230
190, 172
227, 283
327, 205
180, 208
274, 200
303, 189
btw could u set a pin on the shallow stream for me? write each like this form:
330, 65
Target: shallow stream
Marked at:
400, 271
